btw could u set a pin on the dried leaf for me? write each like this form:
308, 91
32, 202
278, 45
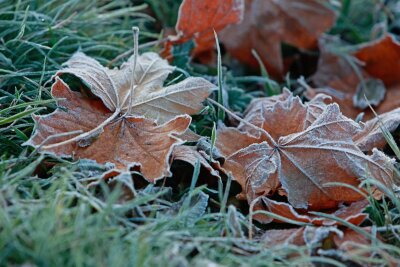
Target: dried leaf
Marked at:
297, 116
337, 76
127, 141
371, 135
284, 237
351, 237
268, 23
199, 20
356, 247
303, 157
315, 238
352, 213
191, 155
138, 90
381, 59
346, 245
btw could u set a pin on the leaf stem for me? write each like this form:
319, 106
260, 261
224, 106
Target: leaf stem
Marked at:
135, 56
86, 134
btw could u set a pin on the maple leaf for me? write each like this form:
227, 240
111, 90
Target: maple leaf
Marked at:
136, 88
199, 20
127, 141
268, 23
348, 77
302, 156
262, 113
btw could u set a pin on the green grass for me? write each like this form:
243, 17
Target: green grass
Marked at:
48, 214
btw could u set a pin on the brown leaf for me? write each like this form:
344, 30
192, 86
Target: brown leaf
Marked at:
357, 247
304, 158
350, 247
199, 20
138, 90
191, 155
351, 237
311, 236
371, 135
297, 116
336, 76
284, 237
268, 23
317, 238
382, 59
126, 141
352, 213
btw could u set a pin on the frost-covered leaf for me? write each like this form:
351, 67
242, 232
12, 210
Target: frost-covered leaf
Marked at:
269, 23
381, 59
352, 213
370, 70
199, 20
302, 156
137, 90
126, 142
371, 135
191, 155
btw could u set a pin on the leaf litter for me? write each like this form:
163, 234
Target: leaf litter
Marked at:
133, 123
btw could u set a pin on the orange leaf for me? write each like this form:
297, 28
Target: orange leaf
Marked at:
199, 20
126, 141
351, 213
350, 247
382, 59
268, 23
374, 60
303, 155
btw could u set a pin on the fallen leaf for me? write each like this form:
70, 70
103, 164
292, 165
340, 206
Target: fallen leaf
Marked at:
371, 135
381, 59
126, 141
191, 155
284, 237
358, 248
352, 213
350, 247
199, 20
262, 112
320, 240
302, 156
311, 236
137, 90
348, 77
269, 23
351, 238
